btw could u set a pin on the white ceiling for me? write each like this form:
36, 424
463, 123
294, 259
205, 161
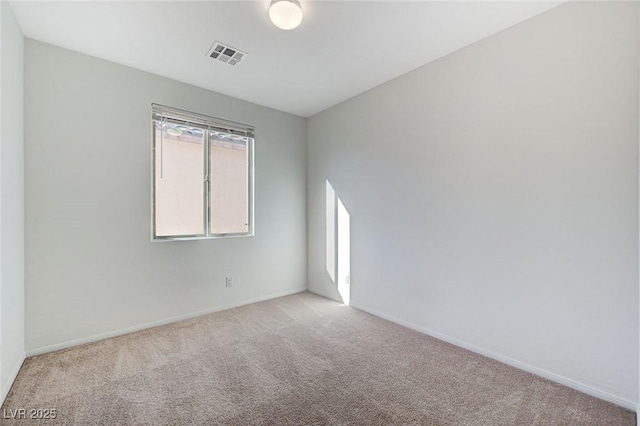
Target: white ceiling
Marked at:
340, 50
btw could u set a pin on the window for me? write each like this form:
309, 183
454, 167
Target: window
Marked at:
202, 176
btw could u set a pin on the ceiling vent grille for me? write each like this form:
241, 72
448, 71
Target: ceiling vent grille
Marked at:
225, 53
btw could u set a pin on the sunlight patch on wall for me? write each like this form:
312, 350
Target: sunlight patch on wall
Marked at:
338, 236
330, 230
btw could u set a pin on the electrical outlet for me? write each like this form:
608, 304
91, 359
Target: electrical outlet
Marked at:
229, 282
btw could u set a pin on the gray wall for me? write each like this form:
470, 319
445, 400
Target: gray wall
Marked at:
11, 199
493, 197
91, 269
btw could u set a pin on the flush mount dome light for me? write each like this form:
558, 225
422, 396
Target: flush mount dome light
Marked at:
285, 14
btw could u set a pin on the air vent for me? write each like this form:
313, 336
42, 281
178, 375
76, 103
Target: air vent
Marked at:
225, 53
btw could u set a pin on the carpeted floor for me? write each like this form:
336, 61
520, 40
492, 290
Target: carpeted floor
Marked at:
297, 360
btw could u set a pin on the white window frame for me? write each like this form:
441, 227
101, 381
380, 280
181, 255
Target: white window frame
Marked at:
164, 114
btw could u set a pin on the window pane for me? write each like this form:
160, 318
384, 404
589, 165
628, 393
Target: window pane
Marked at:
179, 180
229, 183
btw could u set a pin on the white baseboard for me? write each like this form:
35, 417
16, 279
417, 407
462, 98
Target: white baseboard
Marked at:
127, 330
6, 387
589, 390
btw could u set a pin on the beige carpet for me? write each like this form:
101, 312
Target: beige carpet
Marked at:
297, 360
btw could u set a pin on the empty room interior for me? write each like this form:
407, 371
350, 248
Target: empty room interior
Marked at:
299, 212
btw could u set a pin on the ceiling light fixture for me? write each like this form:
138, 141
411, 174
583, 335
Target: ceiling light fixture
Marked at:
285, 14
